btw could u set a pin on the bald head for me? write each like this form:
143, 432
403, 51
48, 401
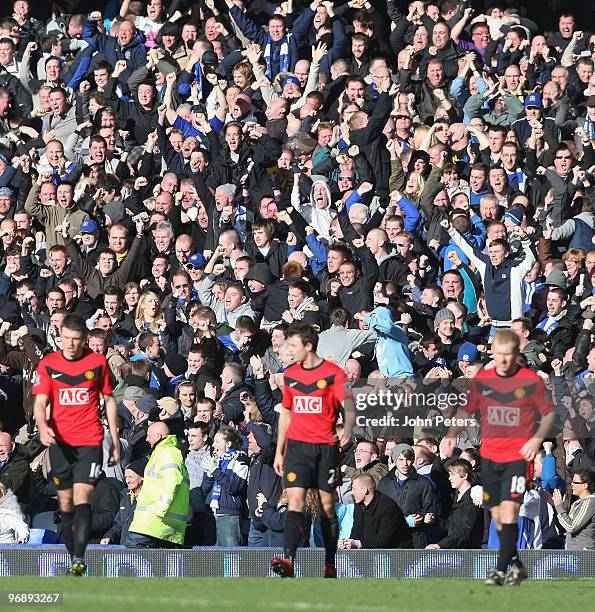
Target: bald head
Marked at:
157, 432
6, 445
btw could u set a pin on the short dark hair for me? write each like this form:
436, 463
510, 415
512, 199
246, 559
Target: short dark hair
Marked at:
306, 333
202, 426
145, 339
74, 322
501, 242
229, 434
113, 290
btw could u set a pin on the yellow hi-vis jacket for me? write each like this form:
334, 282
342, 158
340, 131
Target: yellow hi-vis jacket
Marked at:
164, 499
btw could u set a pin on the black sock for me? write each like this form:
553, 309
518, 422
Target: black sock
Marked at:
295, 524
67, 535
330, 534
508, 550
82, 528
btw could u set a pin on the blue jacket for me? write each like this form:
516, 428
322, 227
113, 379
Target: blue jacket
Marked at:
134, 54
233, 483
392, 351
296, 38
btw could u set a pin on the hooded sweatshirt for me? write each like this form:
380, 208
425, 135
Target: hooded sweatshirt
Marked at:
319, 218
392, 351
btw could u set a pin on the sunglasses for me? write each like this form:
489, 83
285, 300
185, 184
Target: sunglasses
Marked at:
576, 482
190, 266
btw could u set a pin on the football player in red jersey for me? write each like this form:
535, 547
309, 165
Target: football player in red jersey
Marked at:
308, 450
72, 382
509, 398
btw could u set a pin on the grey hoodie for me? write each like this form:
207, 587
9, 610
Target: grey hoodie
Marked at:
338, 343
207, 298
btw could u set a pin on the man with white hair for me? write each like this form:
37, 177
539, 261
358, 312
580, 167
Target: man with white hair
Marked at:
226, 215
14, 466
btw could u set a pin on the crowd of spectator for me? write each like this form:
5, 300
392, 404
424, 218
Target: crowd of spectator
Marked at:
195, 178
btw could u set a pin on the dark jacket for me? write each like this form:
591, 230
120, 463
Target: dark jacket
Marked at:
372, 142
233, 483
119, 530
95, 281
15, 473
276, 258
233, 409
261, 477
414, 496
464, 525
380, 524
137, 120
104, 506
296, 39
134, 54
272, 523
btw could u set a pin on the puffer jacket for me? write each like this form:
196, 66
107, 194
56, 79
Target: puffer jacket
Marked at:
12, 524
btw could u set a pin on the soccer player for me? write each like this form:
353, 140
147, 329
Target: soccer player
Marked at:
308, 451
71, 382
509, 398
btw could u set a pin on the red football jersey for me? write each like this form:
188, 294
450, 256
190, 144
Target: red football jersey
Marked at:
508, 407
314, 397
74, 388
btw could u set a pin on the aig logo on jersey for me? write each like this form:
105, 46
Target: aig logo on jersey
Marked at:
74, 397
307, 405
505, 416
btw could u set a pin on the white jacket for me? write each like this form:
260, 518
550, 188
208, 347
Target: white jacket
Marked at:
12, 524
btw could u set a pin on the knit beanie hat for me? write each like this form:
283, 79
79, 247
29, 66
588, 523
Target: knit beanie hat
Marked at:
443, 315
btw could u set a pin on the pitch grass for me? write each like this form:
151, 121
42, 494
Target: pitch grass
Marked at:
91, 594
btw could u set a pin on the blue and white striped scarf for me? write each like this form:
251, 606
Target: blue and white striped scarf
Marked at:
283, 56
226, 458
549, 324
529, 290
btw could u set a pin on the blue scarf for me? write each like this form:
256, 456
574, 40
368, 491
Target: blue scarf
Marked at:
224, 462
282, 50
549, 324
529, 290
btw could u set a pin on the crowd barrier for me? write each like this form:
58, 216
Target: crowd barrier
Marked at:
47, 561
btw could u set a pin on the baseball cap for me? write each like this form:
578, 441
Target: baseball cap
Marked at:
176, 364
146, 403
6, 192
197, 260
210, 57
168, 404
132, 393
468, 352
533, 100
557, 278
89, 227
